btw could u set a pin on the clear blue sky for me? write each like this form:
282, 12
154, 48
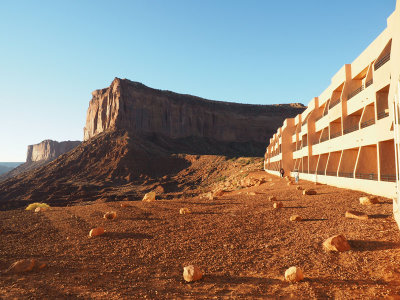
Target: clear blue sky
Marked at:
53, 54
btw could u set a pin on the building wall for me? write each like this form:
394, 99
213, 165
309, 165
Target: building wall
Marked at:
345, 137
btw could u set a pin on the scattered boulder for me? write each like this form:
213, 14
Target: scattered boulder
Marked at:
272, 198
294, 274
299, 188
278, 205
26, 265
309, 192
369, 200
110, 215
149, 197
184, 211
353, 214
295, 218
336, 243
96, 231
192, 273
252, 194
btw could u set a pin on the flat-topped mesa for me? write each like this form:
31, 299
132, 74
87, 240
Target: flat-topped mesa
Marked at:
137, 108
48, 150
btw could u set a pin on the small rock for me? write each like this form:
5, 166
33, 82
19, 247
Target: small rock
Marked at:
272, 198
125, 204
294, 274
309, 192
184, 211
110, 215
353, 214
295, 218
289, 183
149, 197
369, 200
336, 243
192, 273
39, 209
96, 231
219, 193
21, 266
252, 194
299, 188
278, 205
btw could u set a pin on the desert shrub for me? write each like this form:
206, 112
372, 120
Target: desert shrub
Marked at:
33, 206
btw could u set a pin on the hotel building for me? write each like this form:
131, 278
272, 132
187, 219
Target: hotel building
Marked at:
348, 136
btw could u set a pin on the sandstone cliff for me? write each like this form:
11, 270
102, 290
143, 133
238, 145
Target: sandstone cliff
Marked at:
49, 150
41, 154
139, 109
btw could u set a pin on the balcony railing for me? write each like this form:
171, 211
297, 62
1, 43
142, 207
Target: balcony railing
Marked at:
319, 118
351, 129
336, 134
321, 172
382, 61
324, 138
334, 103
355, 92
368, 176
344, 174
304, 123
368, 83
382, 114
368, 123
331, 173
326, 112
390, 178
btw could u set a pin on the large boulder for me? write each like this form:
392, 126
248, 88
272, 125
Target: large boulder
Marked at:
295, 218
309, 192
96, 231
184, 211
277, 205
336, 243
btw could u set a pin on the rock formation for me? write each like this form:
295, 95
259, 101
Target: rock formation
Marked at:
41, 154
139, 109
49, 150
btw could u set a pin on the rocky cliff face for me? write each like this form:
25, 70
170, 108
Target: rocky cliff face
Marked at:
40, 154
137, 108
49, 150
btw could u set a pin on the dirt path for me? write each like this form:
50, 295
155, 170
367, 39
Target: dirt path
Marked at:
240, 242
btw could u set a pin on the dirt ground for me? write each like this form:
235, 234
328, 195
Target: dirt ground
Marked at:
239, 241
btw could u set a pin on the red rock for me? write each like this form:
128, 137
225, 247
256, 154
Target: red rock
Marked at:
352, 214
21, 266
294, 274
272, 198
278, 205
96, 231
337, 243
110, 215
192, 273
309, 192
295, 218
184, 211
369, 200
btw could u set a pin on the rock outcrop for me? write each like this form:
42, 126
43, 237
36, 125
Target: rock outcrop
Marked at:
134, 107
40, 154
49, 150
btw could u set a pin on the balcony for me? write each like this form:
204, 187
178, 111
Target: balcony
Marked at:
369, 176
382, 114
368, 83
321, 172
347, 175
324, 138
368, 123
355, 92
351, 129
336, 134
334, 103
382, 61
331, 173
389, 178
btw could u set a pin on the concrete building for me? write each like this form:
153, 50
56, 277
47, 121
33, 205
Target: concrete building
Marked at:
348, 135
